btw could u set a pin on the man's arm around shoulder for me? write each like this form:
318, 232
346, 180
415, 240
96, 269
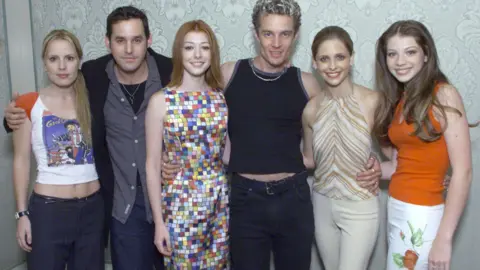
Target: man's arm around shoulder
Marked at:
311, 85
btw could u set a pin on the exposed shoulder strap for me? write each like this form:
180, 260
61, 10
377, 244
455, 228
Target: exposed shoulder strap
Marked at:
26, 102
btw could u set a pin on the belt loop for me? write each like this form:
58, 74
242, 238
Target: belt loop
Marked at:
268, 188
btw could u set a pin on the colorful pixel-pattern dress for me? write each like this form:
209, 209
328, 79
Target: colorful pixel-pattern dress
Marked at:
194, 203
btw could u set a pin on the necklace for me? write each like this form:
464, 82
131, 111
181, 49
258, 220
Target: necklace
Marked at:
265, 79
131, 96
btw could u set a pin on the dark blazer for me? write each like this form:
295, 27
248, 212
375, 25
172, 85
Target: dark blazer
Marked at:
98, 83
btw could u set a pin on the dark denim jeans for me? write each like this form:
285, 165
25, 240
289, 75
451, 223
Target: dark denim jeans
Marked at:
132, 244
266, 217
66, 232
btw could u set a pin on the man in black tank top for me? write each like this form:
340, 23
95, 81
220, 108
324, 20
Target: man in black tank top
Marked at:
270, 206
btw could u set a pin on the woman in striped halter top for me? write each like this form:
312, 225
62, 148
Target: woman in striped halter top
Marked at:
337, 142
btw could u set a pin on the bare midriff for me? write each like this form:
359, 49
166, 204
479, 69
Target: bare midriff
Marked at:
267, 177
68, 191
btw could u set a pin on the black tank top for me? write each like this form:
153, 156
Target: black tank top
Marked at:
265, 120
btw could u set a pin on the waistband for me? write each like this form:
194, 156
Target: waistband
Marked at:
272, 187
51, 199
400, 203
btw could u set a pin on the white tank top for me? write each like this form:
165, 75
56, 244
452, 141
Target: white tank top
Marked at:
62, 155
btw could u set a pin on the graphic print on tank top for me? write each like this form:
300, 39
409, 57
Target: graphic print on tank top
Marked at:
64, 141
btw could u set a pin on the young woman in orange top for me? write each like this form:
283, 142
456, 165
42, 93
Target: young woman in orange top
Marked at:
422, 126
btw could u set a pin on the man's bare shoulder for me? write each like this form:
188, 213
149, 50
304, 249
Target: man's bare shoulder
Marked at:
227, 70
311, 84
228, 67
311, 109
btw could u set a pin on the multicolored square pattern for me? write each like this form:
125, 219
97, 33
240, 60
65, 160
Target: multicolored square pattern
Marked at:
195, 201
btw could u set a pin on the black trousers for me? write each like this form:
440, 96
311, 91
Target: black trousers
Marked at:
266, 217
66, 232
132, 244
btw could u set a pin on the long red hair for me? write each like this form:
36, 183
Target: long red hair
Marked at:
213, 76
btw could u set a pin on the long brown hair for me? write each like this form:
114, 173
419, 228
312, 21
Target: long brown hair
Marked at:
213, 76
419, 91
82, 106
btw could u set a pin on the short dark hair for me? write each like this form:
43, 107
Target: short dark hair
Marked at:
127, 13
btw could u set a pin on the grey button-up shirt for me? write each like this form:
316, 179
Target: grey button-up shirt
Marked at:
126, 141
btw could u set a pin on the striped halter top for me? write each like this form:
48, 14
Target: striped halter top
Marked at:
342, 144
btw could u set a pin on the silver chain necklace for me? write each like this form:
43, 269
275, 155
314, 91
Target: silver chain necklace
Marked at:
131, 96
265, 79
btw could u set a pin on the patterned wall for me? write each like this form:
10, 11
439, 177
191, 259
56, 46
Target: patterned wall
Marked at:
455, 24
4, 75
9, 255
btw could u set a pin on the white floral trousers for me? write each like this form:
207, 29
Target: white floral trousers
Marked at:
411, 231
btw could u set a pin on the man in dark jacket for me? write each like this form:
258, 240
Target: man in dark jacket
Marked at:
120, 85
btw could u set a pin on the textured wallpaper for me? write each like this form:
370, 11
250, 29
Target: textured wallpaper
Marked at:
4, 76
455, 25
5, 162
9, 255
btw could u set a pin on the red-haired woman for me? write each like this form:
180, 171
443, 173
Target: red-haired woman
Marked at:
190, 118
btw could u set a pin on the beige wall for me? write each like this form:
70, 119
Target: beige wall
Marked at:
16, 72
10, 254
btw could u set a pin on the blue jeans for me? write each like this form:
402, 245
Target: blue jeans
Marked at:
132, 244
266, 217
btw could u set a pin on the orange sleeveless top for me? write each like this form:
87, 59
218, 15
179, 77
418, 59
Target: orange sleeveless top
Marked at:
421, 166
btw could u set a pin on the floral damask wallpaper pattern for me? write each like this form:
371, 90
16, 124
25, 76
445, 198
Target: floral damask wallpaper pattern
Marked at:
455, 24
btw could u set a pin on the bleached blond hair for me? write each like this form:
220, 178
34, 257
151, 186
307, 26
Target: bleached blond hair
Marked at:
278, 7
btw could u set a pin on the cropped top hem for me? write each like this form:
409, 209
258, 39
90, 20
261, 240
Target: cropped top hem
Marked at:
60, 180
283, 170
62, 154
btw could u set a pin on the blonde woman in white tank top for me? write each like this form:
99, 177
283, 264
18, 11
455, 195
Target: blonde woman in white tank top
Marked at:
337, 142
62, 222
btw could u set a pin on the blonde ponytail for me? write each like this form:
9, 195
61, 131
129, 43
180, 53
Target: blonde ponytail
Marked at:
82, 107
